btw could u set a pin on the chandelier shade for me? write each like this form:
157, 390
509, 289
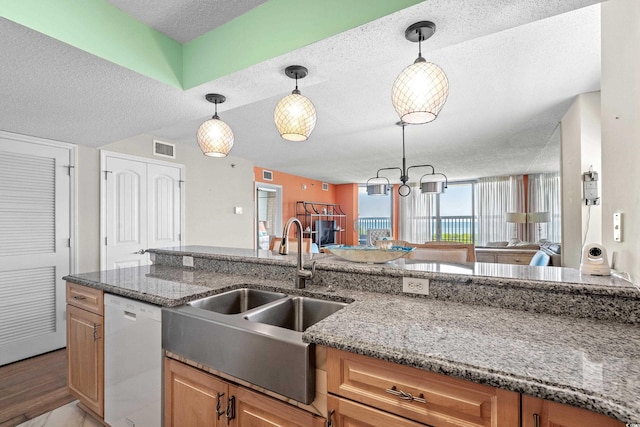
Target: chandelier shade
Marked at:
294, 115
214, 136
420, 91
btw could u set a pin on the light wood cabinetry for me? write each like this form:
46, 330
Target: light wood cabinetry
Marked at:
544, 413
196, 398
85, 346
425, 397
505, 256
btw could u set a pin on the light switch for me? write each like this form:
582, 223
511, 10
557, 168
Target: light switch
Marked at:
238, 210
617, 227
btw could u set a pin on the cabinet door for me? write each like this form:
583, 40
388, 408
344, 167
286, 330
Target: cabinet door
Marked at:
85, 358
544, 413
192, 397
345, 413
257, 410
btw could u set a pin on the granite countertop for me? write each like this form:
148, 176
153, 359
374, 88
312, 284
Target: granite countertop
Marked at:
551, 278
586, 363
581, 362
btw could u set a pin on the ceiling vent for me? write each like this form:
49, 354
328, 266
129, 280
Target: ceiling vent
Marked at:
267, 175
164, 149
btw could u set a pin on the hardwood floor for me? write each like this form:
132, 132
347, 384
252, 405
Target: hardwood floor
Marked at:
33, 387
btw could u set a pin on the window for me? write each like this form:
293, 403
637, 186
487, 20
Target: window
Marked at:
374, 212
454, 220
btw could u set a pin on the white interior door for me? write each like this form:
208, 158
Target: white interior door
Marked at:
142, 209
35, 206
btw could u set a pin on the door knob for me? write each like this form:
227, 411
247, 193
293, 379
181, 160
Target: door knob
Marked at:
140, 252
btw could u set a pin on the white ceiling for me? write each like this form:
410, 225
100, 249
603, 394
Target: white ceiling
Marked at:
514, 67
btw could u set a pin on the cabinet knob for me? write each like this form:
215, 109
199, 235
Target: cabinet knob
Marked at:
79, 297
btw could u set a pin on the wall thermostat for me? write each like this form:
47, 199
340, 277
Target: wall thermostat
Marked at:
590, 182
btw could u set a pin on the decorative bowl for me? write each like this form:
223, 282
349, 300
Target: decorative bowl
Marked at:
367, 254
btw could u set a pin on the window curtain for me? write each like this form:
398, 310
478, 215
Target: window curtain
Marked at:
497, 196
544, 196
416, 223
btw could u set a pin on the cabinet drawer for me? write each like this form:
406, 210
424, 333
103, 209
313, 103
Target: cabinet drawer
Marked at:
483, 257
447, 401
86, 298
520, 259
345, 413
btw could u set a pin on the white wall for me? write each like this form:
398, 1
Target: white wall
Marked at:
213, 188
581, 150
621, 129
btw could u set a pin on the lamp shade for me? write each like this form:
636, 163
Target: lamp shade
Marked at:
517, 217
295, 117
538, 217
215, 137
419, 92
432, 187
377, 189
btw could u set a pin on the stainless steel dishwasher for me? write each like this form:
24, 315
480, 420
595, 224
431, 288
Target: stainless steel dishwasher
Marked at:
132, 363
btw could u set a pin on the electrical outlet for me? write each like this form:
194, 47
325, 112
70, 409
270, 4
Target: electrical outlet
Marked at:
187, 261
411, 285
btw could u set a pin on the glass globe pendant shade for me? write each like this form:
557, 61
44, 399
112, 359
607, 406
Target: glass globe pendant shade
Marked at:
419, 92
215, 137
295, 117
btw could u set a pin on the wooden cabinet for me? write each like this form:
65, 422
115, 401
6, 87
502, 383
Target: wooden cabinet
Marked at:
544, 413
345, 413
505, 256
195, 398
192, 397
424, 397
85, 346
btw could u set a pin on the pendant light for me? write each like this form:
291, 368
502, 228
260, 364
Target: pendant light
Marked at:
214, 136
295, 115
421, 89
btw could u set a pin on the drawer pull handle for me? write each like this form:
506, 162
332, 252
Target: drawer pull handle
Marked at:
405, 395
79, 297
536, 420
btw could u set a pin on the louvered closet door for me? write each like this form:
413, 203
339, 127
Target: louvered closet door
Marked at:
34, 251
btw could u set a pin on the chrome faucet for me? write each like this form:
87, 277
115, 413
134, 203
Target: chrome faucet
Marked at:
302, 275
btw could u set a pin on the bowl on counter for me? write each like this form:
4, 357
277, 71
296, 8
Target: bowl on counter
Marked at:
368, 254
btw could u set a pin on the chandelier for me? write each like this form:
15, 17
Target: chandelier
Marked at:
430, 183
295, 115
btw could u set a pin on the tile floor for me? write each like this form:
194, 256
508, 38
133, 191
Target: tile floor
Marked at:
64, 416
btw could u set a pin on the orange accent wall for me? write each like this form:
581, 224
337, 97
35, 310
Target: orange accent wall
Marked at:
297, 188
347, 198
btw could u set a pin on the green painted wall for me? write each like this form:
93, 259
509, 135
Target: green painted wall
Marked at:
267, 31
275, 28
103, 30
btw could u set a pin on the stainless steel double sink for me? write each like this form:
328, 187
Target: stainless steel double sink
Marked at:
251, 334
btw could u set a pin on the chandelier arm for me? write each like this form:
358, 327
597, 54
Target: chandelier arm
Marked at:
387, 169
433, 171
379, 177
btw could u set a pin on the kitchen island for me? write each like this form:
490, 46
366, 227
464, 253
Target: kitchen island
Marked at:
545, 332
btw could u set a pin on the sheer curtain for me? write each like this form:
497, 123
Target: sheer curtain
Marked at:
544, 196
416, 223
497, 196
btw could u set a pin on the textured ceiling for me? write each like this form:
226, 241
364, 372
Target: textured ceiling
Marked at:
514, 67
184, 20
